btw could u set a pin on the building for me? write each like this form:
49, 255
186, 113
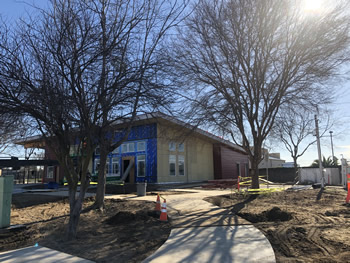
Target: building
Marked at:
271, 160
162, 149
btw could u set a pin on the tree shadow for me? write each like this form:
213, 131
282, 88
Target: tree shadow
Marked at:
239, 206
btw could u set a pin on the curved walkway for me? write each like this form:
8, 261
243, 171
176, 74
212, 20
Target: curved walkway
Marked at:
202, 232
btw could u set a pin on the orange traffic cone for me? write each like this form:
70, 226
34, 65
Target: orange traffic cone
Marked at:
163, 213
158, 203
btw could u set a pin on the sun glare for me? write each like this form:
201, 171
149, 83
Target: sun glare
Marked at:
312, 5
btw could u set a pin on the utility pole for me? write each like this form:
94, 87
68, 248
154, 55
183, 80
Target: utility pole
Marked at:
319, 151
331, 132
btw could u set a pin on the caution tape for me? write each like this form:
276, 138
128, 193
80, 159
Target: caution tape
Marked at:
263, 191
80, 183
161, 196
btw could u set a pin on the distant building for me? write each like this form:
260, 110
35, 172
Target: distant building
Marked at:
271, 160
289, 165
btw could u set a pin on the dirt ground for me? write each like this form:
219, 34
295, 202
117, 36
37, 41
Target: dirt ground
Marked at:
128, 231
302, 226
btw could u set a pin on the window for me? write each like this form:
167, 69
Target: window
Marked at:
172, 146
50, 170
116, 150
181, 163
172, 164
141, 166
115, 166
131, 147
181, 147
124, 148
97, 150
108, 167
141, 146
128, 147
96, 165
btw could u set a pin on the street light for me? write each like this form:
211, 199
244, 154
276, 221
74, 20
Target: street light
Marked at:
331, 132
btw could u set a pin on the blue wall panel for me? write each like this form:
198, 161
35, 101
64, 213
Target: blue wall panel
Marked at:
143, 133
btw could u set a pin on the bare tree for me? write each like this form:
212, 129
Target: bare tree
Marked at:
139, 39
295, 129
12, 127
243, 60
77, 68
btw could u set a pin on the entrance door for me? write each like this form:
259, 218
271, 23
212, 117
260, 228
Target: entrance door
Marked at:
126, 161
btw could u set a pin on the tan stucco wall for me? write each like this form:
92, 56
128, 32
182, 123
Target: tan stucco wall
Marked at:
198, 153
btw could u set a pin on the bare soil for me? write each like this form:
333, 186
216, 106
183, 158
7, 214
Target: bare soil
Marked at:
127, 231
302, 226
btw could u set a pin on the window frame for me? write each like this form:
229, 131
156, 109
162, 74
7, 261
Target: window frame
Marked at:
115, 160
144, 147
138, 165
172, 160
172, 146
126, 147
182, 148
50, 172
182, 159
97, 162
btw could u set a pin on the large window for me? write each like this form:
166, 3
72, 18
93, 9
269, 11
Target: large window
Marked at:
128, 147
115, 166
181, 147
172, 164
172, 146
181, 164
141, 146
141, 166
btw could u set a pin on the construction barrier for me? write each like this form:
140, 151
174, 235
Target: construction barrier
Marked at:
263, 191
163, 212
157, 203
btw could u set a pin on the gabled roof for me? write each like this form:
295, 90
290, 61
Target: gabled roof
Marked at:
38, 142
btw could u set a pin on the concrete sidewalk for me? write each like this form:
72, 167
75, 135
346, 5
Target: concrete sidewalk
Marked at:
40, 254
202, 232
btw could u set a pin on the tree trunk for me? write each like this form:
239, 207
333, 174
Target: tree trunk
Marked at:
255, 174
74, 216
297, 177
101, 186
76, 204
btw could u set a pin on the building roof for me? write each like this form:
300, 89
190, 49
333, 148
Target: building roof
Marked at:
37, 141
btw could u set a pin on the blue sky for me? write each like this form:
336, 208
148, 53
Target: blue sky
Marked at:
11, 10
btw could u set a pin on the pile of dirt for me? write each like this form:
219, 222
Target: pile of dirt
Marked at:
273, 214
127, 228
127, 217
302, 226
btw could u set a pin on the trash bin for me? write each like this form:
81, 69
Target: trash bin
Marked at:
141, 188
6, 187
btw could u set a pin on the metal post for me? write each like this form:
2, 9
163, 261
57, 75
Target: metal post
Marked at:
331, 132
267, 169
319, 151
